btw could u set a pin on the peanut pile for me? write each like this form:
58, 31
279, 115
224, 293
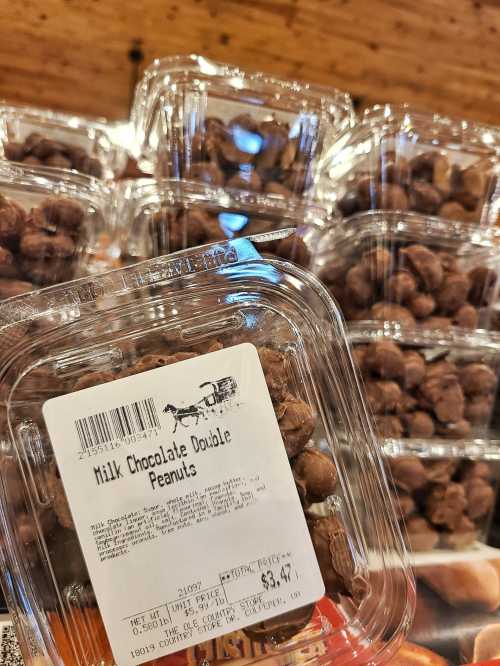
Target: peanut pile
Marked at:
40, 246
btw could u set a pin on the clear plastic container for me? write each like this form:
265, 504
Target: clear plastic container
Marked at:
51, 227
398, 158
445, 503
39, 137
431, 392
201, 120
164, 216
411, 269
202, 309
432, 395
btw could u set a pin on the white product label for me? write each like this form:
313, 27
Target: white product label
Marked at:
184, 503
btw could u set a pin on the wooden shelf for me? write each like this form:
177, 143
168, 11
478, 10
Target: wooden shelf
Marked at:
79, 54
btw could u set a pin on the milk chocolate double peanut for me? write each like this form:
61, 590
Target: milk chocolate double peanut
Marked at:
249, 154
429, 183
415, 395
442, 502
37, 150
410, 283
39, 246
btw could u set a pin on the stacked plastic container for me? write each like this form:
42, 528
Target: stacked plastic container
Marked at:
201, 120
157, 423
250, 145
414, 264
158, 217
55, 197
398, 158
52, 223
40, 137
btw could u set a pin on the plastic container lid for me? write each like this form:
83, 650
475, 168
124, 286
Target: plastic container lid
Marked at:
43, 137
199, 381
203, 120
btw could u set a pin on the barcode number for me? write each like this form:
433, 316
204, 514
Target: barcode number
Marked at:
118, 423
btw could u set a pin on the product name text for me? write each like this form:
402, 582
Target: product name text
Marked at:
167, 464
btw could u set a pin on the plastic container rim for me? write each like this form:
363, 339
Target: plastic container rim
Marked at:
174, 192
400, 221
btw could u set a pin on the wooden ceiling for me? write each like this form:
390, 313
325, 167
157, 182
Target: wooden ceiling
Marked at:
85, 55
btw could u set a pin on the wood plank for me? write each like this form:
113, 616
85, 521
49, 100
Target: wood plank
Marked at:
74, 54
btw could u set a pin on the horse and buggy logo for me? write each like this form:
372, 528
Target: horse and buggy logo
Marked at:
221, 397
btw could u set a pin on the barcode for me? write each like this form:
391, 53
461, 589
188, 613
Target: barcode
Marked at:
117, 423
